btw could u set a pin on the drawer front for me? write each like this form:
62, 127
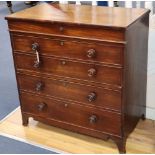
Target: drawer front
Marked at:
91, 118
89, 32
73, 69
89, 95
70, 49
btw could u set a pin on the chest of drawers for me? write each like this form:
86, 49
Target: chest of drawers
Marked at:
82, 68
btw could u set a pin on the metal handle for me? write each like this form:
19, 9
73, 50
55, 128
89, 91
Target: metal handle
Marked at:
36, 64
41, 106
92, 72
91, 53
92, 97
39, 86
93, 119
35, 48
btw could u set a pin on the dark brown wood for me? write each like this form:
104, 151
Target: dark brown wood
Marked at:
72, 68
82, 68
69, 30
143, 117
77, 92
111, 17
25, 119
69, 38
121, 144
79, 115
63, 47
135, 73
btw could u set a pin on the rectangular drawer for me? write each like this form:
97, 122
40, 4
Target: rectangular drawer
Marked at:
69, 68
70, 30
83, 94
81, 116
108, 54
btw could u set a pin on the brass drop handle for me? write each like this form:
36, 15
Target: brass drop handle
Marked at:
92, 97
39, 86
91, 53
35, 48
93, 119
92, 72
41, 106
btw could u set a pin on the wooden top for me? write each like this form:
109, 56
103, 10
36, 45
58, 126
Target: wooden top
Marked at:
81, 14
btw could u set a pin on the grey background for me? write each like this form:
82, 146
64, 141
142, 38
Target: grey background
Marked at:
11, 146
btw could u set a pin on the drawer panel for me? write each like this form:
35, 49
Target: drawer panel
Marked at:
91, 118
71, 49
73, 69
83, 94
70, 30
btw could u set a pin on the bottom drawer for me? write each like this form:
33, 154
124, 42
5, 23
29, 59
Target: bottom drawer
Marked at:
81, 116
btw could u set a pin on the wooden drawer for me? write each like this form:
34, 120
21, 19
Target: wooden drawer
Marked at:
69, 30
108, 54
83, 94
73, 69
87, 117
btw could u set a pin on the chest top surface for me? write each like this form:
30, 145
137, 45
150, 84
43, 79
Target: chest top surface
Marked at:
81, 14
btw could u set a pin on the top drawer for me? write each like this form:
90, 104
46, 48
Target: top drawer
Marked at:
71, 30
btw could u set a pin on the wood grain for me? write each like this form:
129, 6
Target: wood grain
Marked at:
66, 90
119, 36
58, 47
135, 73
73, 69
73, 115
84, 14
140, 141
75, 31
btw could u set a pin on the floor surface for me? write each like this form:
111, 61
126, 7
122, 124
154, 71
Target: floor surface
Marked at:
11, 146
142, 140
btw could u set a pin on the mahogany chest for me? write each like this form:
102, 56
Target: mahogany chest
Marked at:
82, 68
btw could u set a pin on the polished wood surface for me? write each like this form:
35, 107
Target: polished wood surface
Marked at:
73, 115
70, 30
67, 90
58, 46
104, 63
90, 15
69, 68
135, 73
140, 141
